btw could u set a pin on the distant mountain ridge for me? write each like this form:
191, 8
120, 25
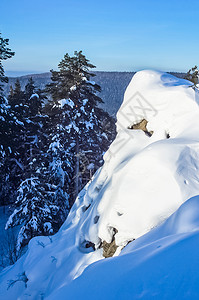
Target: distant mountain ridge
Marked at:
113, 85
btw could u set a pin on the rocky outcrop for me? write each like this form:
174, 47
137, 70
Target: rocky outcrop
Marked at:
142, 125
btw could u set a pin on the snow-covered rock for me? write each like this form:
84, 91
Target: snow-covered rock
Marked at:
144, 180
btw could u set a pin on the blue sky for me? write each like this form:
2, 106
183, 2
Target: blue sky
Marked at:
126, 35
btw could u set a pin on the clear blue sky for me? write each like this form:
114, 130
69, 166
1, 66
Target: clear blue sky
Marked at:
115, 35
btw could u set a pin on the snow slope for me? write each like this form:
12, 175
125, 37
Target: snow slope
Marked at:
144, 180
163, 264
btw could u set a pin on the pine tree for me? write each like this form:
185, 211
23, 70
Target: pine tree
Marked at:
17, 100
73, 76
42, 201
33, 98
34, 207
30, 88
5, 114
25, 108
59, 158
17, 104
193, 75
17, 89
72, 89
7, 123
5, 53
59, 167
11, 92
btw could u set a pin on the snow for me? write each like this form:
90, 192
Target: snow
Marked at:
47, 225
146, 190
85, 101
73, 88
19, 122
90, 166
2, 118
63, 102
34, 96
163, 264
92, 82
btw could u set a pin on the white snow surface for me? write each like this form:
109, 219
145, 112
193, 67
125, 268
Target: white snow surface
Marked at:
62, 102
34, 96
144, 180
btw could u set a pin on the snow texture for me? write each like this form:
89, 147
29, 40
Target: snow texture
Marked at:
63, 102
145, 195
34, 96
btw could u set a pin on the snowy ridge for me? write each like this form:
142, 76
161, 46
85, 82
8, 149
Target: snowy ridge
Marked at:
147, 175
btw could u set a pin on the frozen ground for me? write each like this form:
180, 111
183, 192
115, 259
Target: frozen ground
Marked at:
146, 177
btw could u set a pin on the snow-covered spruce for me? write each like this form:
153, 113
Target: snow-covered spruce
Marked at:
9, 125
148, 173
83, 127
39, 192
36, 207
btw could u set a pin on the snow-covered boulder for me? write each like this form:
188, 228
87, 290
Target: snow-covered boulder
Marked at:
145, 178
149, 171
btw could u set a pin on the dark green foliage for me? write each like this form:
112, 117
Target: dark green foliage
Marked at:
7, 124
75, 100
193, 75
8, 165
30, 88
73, 76
41, 204
5, 53
56, 148
16, 99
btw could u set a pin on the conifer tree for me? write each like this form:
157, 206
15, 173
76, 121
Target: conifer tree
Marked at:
59, 167
72, 78
42, 201
17, 100
5, 115
7, 123
193, 75
30, 88
72, 89
34, 207
11, 91
17, 104
59, 147
33, 97
5, 53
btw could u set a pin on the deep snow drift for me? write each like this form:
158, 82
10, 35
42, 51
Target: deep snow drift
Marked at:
146, 176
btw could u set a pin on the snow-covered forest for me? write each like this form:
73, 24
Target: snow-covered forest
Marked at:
99, 213
49, 149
